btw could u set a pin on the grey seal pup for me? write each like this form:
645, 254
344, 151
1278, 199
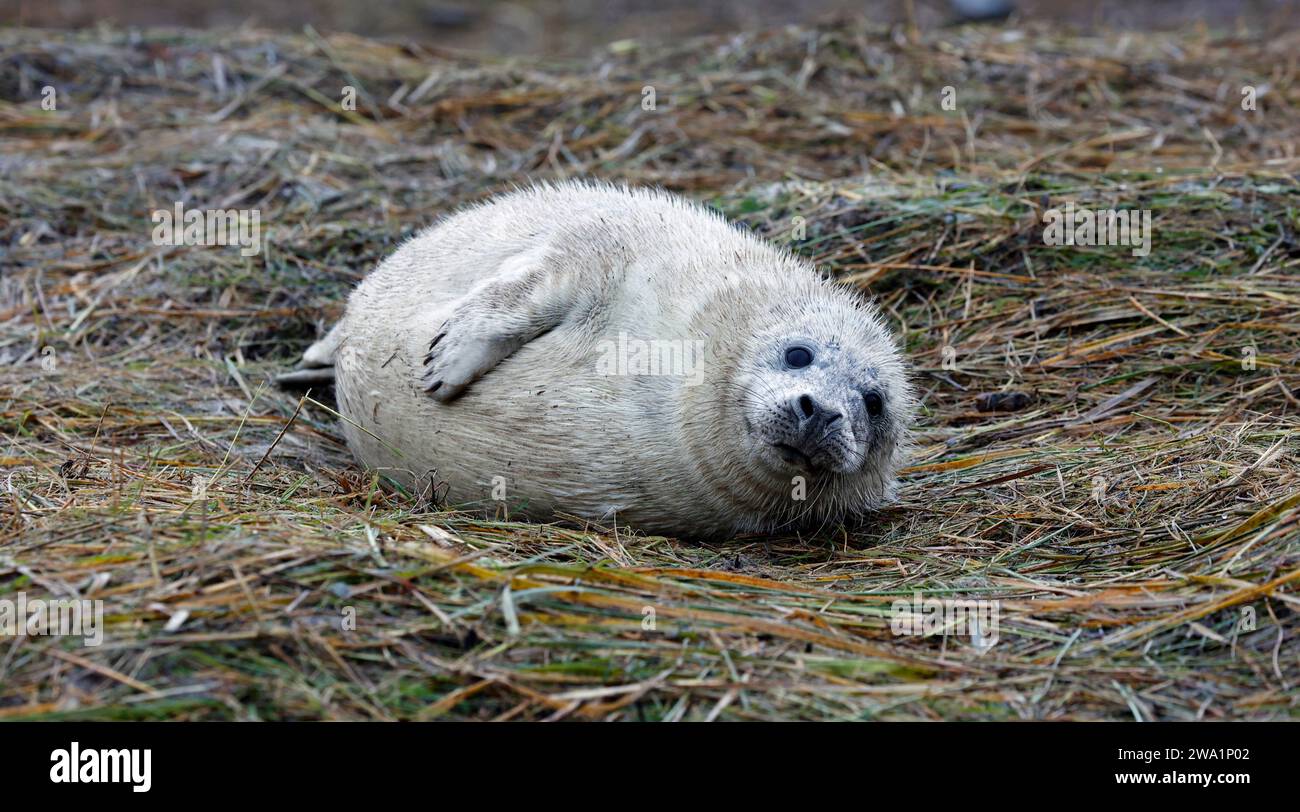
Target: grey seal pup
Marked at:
621, 356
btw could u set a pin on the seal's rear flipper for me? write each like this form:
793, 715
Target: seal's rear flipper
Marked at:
317, 365
300, 378
321, 354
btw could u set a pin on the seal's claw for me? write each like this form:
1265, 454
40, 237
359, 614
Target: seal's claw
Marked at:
463, 355
442, 392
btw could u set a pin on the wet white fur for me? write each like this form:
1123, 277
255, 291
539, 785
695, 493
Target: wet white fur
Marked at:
578, 264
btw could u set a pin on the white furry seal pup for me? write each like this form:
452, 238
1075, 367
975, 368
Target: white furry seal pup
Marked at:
619, 355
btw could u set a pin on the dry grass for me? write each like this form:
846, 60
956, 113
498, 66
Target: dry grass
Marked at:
1116, 603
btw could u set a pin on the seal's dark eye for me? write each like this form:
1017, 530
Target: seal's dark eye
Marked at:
875, 405
798, 357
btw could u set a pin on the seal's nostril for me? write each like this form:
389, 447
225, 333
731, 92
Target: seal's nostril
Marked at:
830, 419
807, 406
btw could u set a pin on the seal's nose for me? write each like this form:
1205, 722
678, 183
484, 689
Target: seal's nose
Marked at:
811, 413
807, 406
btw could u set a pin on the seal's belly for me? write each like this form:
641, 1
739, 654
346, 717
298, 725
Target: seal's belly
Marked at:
537, 434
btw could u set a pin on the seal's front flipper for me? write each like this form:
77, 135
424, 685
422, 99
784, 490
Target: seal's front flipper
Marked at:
462, 352
528, 295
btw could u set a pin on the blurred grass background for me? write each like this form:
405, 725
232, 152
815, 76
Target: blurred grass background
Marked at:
571, 28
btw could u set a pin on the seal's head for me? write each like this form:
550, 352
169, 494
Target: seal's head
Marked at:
818, 397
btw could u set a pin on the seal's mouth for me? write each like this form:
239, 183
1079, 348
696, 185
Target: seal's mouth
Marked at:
795, 456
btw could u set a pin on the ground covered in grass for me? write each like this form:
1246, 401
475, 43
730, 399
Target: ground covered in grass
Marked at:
1138, 518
